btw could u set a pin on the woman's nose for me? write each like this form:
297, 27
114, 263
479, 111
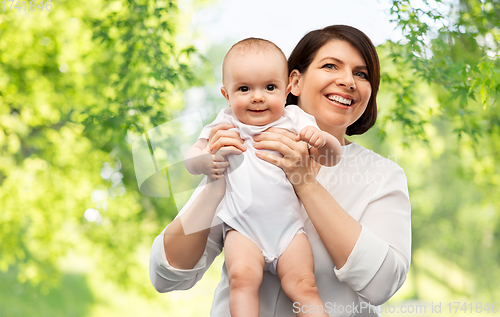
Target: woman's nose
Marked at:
346, 79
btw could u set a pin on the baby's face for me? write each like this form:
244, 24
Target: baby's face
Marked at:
256, 86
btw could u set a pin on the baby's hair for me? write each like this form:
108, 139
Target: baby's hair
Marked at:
252, 45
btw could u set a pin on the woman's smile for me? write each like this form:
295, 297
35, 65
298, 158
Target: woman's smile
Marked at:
343, 101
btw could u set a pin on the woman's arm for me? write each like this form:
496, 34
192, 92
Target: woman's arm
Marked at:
371, 255
386, 224
183, 243
171, 266
186, 236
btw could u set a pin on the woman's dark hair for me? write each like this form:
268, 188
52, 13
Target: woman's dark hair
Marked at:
304, 53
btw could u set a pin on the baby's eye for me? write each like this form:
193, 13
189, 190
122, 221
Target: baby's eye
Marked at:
361, 75
271, 87
243, 89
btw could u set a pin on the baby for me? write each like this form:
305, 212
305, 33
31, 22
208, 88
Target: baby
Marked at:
261, 214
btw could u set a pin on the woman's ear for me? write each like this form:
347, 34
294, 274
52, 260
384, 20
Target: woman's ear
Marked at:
294, 80
288, 89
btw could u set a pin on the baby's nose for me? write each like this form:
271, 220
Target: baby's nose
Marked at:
257, 97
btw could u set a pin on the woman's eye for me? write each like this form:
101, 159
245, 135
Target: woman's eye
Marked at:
329, 66
243, 89
362, 75
271, 87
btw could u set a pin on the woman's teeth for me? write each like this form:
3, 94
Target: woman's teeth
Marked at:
339, 99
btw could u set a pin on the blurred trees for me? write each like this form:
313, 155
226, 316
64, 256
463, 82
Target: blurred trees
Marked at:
77, 84
442, 82
80, 83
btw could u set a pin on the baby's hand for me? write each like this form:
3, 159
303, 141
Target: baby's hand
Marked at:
212, 165
313, 136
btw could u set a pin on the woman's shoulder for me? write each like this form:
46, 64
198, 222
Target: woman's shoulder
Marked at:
362, 158
381, 174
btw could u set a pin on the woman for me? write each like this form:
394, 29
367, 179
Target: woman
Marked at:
358, 211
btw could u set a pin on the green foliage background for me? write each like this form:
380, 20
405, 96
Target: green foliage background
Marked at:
445, 86
80, 83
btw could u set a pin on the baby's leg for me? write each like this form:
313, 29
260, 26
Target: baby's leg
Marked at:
296, 272
245, 267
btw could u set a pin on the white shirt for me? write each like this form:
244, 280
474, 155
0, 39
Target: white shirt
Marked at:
260, 202
374, 191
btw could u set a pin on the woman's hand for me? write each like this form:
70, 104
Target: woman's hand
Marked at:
296, 163
228, 141
221, 142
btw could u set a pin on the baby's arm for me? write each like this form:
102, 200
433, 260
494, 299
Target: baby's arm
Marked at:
199, 160
325, 148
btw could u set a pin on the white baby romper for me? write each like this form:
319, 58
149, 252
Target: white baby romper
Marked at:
260, 202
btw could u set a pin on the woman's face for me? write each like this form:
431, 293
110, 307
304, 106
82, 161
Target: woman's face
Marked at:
335, 88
